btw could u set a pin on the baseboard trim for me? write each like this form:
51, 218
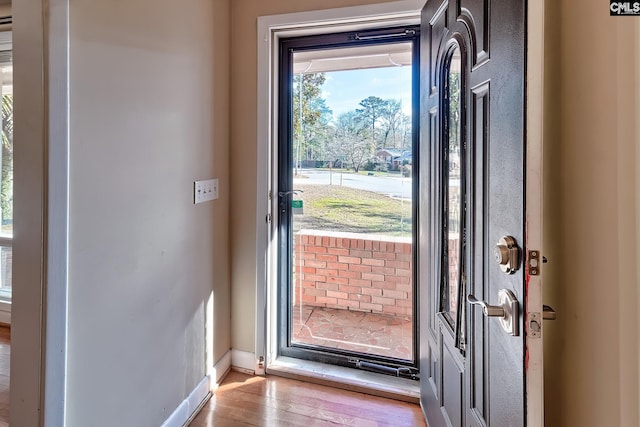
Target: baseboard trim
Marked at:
220, 369
5, 313
190, 405
189, 408
243, 360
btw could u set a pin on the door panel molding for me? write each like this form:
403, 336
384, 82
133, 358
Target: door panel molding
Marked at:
478, 393
453, 385
474, 17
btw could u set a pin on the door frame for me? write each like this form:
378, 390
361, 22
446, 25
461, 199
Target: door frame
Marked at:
41, 178
270, 30
534, 128
284, 221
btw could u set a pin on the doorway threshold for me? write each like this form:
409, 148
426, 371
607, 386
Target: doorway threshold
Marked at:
346, 378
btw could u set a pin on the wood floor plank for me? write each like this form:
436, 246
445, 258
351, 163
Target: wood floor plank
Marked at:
272, 401
298, 413
301, 399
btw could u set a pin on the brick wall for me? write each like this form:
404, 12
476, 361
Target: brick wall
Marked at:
354, 272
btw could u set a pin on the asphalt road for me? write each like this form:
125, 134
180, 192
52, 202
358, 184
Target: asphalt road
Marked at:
393, 186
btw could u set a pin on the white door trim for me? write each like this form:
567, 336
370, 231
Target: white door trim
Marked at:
533, 206
57, 205
39, 308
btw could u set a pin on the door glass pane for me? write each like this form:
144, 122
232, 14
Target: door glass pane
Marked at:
6, 191
453, 203
352, 220
6, 185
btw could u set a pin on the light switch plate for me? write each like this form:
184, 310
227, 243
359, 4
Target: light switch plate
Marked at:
204, 191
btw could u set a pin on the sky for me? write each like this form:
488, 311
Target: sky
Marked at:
343, 90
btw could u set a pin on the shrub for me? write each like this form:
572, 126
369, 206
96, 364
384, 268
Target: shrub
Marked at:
382, 167
369, 166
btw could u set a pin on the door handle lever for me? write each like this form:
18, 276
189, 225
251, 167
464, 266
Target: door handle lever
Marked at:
507, 310
286, 193
487, 309
283, 201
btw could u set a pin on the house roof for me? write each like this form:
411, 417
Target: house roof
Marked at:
390, 151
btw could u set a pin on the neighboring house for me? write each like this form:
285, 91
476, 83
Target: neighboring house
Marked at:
388, 154
393, 157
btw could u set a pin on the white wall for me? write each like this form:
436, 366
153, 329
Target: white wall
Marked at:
148, 116
592, 216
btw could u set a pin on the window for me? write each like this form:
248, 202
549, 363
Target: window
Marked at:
6, 162
453, 230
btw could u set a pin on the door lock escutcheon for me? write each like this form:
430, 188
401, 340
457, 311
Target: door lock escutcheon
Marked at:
507, 310
507, 254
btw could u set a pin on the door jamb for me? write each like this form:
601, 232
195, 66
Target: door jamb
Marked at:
534, 367
39, 307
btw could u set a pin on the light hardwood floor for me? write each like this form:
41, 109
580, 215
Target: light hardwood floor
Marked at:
245, 400
5, 351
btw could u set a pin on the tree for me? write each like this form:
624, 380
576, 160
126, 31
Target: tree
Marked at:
316, 134
453, 99
353, 139
6, 188
391, 122
308, 109
370, 113
406, 141
333, 148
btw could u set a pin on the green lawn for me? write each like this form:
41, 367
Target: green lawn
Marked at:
337, 208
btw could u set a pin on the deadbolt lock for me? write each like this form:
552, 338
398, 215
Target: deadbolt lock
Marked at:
507, 254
